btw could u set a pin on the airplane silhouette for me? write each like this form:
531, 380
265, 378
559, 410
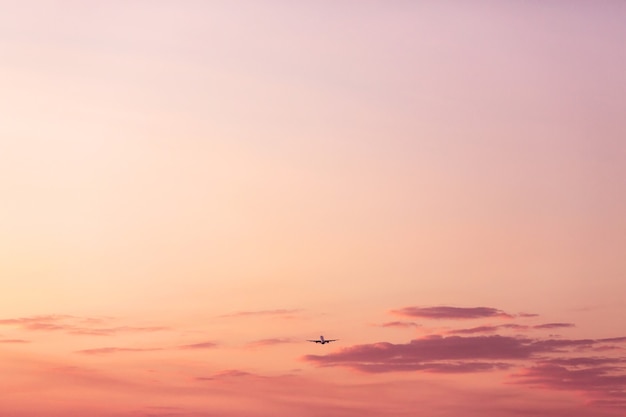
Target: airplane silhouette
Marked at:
322, 340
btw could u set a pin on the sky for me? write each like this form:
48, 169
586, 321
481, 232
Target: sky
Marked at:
191, 190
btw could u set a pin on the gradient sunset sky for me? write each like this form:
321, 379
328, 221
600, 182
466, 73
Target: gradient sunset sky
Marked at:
191, 189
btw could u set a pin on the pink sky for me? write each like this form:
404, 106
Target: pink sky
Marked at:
192, 189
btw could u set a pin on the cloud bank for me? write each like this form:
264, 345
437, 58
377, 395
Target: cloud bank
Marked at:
450, 313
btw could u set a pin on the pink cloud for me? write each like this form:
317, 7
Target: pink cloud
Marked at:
269, 342
479, 329
603, 382
488, 329
421, 354
583, 361
202, 345
285, 313
14, 341
33, 319
107, 331
558, 364
229, 373
432, 353
74, 325
110, 350
446, 312
402, 324
553, 326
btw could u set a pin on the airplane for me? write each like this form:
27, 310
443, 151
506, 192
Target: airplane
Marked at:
322, 340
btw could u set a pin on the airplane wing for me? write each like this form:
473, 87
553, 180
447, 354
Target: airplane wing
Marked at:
315, 341
331, 340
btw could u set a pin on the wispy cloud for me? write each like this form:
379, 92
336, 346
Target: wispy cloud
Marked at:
111, 350
528, 315
107, 331
21, 321
401, 324
513, 326
269, 342
17, 341
446, 312
202, 345
284, 313
74, 325
228, 373
553, 326
478, 329
603, 382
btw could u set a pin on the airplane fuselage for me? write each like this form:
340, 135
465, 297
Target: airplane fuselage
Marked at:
322, 340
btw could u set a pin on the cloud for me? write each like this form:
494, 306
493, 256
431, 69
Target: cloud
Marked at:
202, 345
605, 384
583, 361
415, 354
402, 324
435, 367
14, 341
489, 329
436, 353
108, 331
553, 325
34, 319
229, 373
110, 350
549, 363
479, 329
74, 325
40, 323
445, 312
284, 313
269, 342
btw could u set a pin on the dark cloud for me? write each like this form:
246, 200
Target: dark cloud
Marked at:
446, 312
